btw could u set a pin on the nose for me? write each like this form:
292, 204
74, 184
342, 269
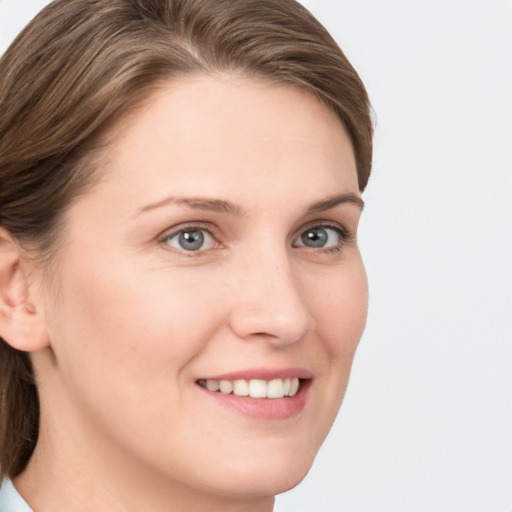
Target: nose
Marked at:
270, 302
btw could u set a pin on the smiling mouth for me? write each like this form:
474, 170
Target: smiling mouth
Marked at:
254, 388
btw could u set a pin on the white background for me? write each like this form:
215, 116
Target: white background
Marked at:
427, 421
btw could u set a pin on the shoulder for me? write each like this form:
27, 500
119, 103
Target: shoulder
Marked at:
10, 500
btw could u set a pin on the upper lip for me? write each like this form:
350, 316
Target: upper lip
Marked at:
263, 374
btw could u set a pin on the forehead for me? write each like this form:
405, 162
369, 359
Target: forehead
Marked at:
224, 135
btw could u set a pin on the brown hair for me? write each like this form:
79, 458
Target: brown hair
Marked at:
80, 64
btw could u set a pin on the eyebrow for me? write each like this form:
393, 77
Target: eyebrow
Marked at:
197, 203
333, 201
223, 206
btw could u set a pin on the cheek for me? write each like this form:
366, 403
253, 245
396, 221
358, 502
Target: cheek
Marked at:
340, 313
121, 326
338, 303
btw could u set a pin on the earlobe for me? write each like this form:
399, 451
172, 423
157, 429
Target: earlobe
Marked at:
21, 320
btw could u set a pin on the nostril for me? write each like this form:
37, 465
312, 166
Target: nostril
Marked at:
267, 323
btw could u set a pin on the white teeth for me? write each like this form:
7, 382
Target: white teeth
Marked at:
294, 387
286, 386
241, 387
226, 386
275, 389
255, 388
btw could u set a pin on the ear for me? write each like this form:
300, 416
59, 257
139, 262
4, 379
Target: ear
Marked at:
22, 322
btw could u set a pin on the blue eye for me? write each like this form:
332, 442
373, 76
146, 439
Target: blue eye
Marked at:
320, 237
191, 240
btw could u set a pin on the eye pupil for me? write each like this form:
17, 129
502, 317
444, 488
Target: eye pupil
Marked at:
316, 237
191, 240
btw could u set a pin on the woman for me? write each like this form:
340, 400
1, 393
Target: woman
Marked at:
181, 288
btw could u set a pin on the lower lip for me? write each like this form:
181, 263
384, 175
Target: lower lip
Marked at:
264, 408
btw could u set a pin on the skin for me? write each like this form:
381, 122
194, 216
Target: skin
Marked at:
131, 320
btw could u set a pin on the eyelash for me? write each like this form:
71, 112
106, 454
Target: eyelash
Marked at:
345, 237
208, 228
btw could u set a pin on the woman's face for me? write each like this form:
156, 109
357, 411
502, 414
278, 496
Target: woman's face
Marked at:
218, 249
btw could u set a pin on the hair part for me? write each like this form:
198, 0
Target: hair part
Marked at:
80, 65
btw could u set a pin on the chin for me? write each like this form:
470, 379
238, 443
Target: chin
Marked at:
264, 477
271, 483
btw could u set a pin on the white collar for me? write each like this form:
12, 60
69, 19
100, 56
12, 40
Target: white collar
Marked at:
10, 500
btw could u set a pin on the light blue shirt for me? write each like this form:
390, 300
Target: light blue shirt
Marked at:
10, 500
